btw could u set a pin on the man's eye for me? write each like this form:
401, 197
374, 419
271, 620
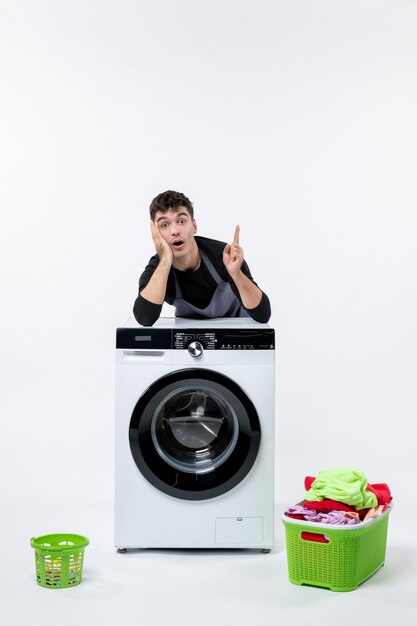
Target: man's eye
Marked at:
182, 221
164, 225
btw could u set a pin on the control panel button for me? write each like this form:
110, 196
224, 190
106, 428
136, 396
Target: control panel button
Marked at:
195, 348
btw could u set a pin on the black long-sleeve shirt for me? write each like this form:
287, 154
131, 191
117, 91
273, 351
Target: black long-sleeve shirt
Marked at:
197, 287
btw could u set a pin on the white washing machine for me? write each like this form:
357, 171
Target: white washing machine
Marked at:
195, 434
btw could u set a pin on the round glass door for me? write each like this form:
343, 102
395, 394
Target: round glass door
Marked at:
194, 434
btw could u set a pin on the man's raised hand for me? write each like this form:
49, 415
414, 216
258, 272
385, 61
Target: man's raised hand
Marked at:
233, 255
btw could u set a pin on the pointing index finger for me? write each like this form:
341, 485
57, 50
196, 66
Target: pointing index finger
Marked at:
236, 235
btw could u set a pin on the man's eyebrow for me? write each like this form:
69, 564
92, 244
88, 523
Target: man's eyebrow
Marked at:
164, 217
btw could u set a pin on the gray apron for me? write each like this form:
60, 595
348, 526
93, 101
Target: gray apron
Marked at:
224, 303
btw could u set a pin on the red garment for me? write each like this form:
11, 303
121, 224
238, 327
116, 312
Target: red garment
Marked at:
323, 506
327, 505
308, 481
382, 492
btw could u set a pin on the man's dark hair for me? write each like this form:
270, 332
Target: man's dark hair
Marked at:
170, 200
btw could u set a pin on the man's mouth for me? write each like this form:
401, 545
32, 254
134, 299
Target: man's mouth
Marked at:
177, 243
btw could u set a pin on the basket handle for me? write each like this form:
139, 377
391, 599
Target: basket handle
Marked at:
317, 537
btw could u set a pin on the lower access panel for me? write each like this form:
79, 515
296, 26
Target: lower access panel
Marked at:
242, 531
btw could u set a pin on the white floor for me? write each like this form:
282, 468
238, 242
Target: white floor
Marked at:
181, 587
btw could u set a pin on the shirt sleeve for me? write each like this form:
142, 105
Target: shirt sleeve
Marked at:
146, 313
260, 313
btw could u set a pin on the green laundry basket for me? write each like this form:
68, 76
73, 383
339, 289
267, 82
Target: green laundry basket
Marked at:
59, 560
344, 558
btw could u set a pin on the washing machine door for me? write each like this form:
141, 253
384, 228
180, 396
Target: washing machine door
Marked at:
194, 434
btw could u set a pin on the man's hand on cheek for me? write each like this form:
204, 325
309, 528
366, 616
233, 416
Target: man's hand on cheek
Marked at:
163, 249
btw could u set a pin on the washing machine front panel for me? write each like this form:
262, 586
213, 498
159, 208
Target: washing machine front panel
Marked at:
198, 443
194, 434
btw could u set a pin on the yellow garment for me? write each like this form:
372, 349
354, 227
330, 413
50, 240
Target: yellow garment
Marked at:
343, 485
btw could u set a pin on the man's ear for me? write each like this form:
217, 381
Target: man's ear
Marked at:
195, 226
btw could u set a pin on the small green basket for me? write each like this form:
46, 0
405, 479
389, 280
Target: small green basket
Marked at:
59, 560
337, 557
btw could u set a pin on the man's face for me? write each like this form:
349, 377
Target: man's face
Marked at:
178, 229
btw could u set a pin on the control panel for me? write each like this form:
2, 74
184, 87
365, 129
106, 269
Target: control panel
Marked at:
207, 339
220, 339
182, 339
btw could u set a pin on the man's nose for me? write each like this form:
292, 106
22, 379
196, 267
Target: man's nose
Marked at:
174, 229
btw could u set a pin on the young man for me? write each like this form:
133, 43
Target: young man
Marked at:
202, 278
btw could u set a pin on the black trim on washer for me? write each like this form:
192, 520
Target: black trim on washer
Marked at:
211, 339
144, 338
188, 485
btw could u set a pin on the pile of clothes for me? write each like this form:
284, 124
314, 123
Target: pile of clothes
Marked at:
341, 496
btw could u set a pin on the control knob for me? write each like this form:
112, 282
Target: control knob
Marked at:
195, 348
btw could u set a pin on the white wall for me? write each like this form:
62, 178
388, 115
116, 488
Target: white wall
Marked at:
295, 119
